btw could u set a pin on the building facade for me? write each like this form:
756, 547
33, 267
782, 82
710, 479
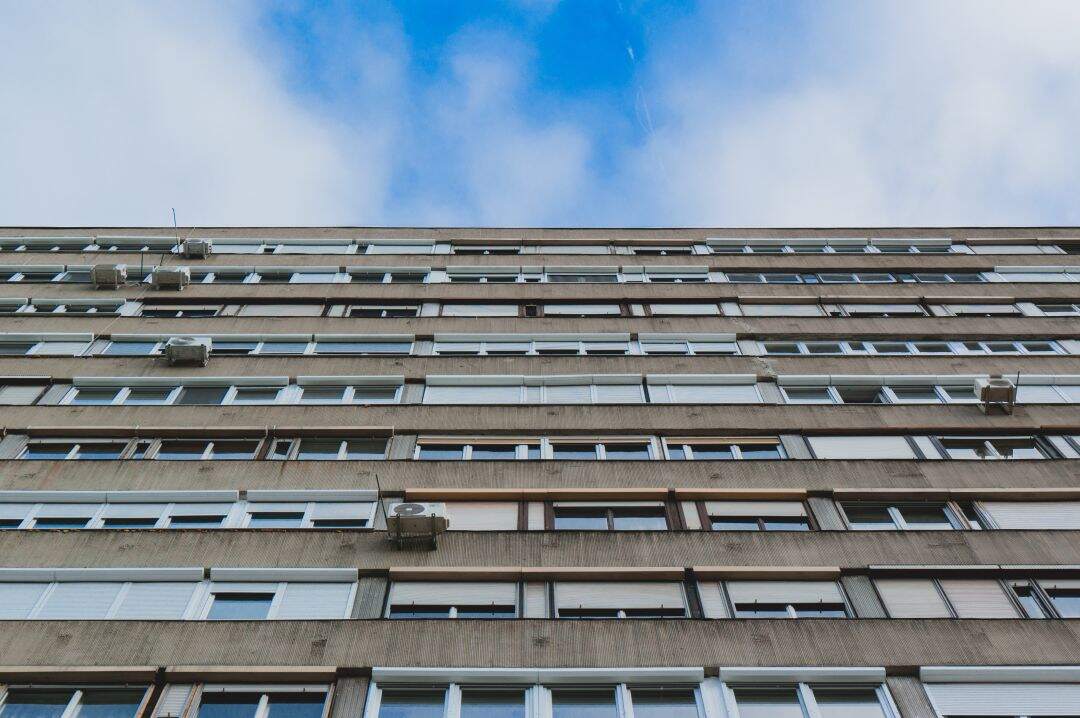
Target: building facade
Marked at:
687, 473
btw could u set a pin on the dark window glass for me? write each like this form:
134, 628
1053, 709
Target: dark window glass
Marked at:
149, 395
195, 522
864, 516
340, 523
760, 451
11, 349
298, 705
181, 450
925, 516
48, 450
734, 523
664, 704
786, 524
583, 704
128, 523
240, 606
196, 395
1029, 601
233, 348
256, 394
712, 452
411, 704
316, 449
279, 520
626, 452
640, 519
494, 452
61, 523
479, 703
676, 452
413, 611
100, 452
109, 703
575, 452
580, 519
442, 452
761, 610
9, 523
486, 612
1066, 601
234, 450
848, 703
228, 705
35, 703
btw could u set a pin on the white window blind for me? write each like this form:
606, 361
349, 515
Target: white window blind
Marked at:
912, 598
1034, 514
568, 394
713, 604
15, 511
555, 310
315, 600
1005, 699
482, 515
155, 600
619, 594
281, 310
978, 598
784, 591
619, 394
16, 599
453, 593
661, 310
479, 310
84, 599
341, 510
860, 447
133, 511
20, 394
472, 394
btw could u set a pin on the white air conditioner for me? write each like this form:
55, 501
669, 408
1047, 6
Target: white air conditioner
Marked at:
170, 277
188, 350
197, 248
996, 391
411, 519
108, 276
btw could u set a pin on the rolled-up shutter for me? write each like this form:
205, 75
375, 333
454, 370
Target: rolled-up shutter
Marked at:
272, 507
568, 394
20, 394
83, 599
453, 593
619, 594
978, 598
155, 600
133, 511
714, 394
472, 394
342, 510
16, 599
755, 508
784, 592
479, 310
912, 598
619, 394
1034, 514
315, 600
713, 604
860, 447
1005, 699
482, 515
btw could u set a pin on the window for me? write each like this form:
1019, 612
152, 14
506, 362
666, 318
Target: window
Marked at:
240, 606
331, 449
692, 390
204, 450
479, 310
702, 449
802, 700
85, 702
756, 516
861, 447
461, 600
571, 516
1019, 447
431, 450
975, 693
786, 599
1047, 598
387, 311
931, 516
240, 702
619, 599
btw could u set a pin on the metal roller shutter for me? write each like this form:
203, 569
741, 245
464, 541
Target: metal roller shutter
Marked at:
454, 593
912, 598
619, 594
978, 598
1005, 699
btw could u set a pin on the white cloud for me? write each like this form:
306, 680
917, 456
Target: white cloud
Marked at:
116, 111
900, 113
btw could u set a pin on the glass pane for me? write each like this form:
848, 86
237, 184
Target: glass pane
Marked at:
712, 452
920, 394
322, 395
583, 704
95, 396
374, 393
195, 395
626, 452
760, 451
47, 451
580, 519
442, 452
182, 450
195, 522
105, 703
240, 606
315, 450
411, 704
275, 520
364, 449
849, 703
773, 703
868, 516
786, 524
283, 348
149, 395
100, 452
576, 452
640, 519
228, 705
35, 704
808, 395
494, 452
256, 394
664, 704
1067, 602
234, 450
130, 348
64, 523
237, 348
733, 523
126, 523
297, 705
926, 516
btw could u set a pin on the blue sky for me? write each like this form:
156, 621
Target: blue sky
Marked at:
541, 112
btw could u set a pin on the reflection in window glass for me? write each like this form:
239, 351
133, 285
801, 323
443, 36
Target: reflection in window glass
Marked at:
664, 704
769, 703
298, 705
411, 704
583, 704
228, 705
109, 703
35, 704
240, 606
492, 704
848, 703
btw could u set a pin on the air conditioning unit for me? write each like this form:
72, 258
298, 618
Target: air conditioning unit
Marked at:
996, 391
197, 248
411, 522
188, 350
170, 277
108, 276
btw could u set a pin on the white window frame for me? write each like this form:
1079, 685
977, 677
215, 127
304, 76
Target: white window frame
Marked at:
732, 442
897, 517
